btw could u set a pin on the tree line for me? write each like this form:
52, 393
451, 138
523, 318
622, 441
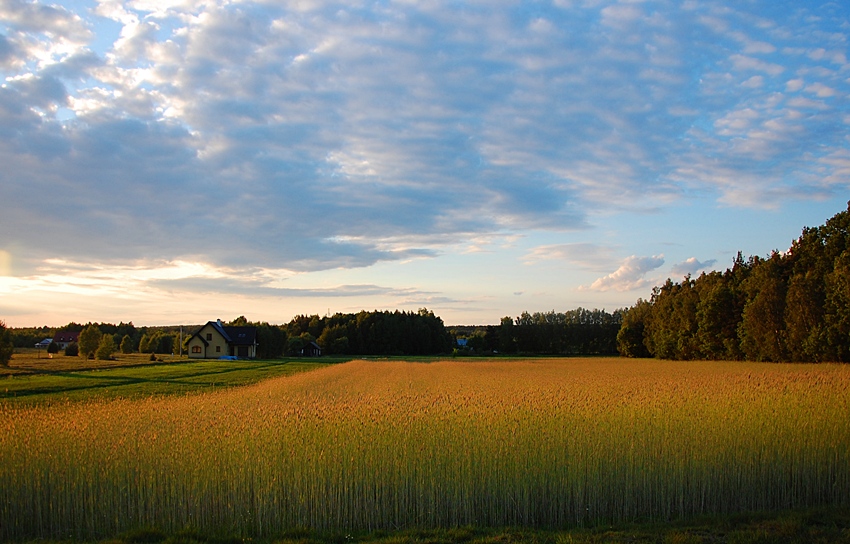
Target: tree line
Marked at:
363, 333
575, 332
579, 331
144, 339
371, 333
791, 306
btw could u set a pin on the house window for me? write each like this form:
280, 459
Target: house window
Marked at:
196, 349
218, 349
209, 336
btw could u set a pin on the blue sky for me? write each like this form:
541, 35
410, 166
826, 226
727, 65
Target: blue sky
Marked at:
174, 161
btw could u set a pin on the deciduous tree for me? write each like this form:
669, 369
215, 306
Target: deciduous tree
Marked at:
762, 330
630, 339
6, 346
88, 341
126, 344
105, 348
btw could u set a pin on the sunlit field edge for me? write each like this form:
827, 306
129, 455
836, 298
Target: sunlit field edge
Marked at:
369, 445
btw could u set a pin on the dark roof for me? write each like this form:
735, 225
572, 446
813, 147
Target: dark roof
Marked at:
221, 329
66, 336
241, 336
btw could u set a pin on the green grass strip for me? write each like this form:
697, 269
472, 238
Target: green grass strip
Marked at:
148, 380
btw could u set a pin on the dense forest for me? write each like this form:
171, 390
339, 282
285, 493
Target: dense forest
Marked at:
791, 306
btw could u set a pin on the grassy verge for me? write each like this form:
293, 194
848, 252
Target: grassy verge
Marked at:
31, 380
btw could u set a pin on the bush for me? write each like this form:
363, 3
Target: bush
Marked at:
105, 348
53, 348
72, 350
126, 344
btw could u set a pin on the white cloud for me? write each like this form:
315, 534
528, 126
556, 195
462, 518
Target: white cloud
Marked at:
754, 82
820, 90
621, 15
585, 255
794, 85
691, 266
629, 276
747, 63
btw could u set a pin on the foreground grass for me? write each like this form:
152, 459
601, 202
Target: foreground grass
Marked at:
45, 381
824, 525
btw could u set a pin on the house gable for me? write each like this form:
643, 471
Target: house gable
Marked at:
208, 343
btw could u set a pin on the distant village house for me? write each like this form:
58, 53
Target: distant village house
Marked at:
216, 340
63, 338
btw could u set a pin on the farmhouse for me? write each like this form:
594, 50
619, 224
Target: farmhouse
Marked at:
63, 338
215, 340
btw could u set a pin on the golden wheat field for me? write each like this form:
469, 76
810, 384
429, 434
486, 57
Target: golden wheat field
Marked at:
369, 445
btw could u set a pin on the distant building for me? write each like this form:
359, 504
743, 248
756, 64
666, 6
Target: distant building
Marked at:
311, 349
63, 338
44, 344
214, 340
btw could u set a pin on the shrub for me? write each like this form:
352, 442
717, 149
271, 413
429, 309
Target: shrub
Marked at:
72, 350
126, 344
105, 348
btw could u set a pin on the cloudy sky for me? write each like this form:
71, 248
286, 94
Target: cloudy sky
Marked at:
175, 161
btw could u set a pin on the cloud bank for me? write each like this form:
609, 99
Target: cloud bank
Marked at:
321, 135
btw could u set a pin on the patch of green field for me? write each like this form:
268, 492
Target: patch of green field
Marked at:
140, 381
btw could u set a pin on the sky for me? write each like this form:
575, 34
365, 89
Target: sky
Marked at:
178, 161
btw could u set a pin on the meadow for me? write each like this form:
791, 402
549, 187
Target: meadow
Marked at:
370, 445
33, 378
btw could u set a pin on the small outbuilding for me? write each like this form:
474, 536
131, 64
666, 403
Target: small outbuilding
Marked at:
311, 349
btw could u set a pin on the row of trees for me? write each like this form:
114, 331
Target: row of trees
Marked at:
792, 306
127, 337
363, 333
579, 331
371, 333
